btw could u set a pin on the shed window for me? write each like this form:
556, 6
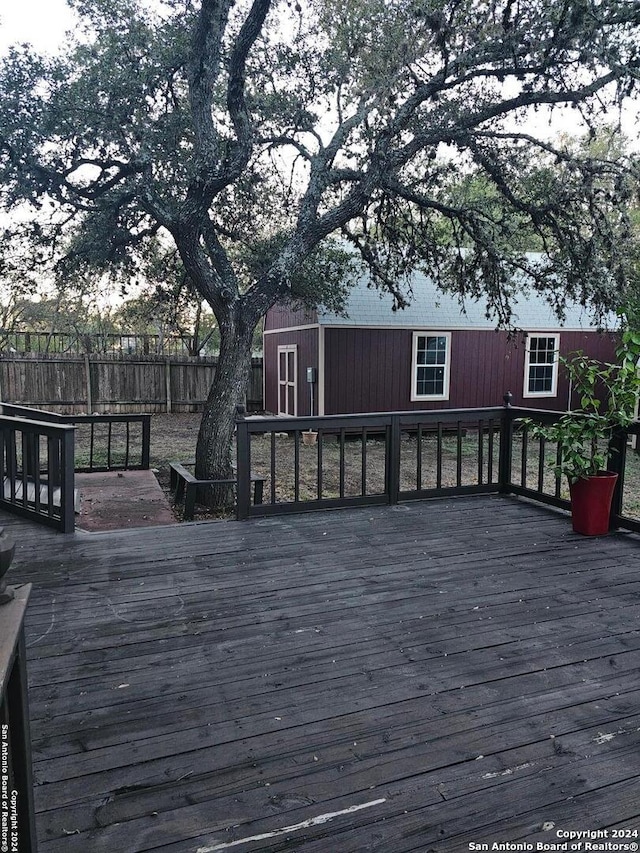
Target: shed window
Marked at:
430, 369
541, 366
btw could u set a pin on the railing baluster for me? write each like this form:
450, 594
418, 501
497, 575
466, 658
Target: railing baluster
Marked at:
320, 463
439, 457
459, 454
109, 446
24, 449
419, 458
480, 452
273, 467
490, 451
296, 466
91, 446
53, 475
12, 465
342, 446
126, 447
364, 461
36, 472
523, 456
541, 466
558, 483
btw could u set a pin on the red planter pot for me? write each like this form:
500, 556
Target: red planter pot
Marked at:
591, 503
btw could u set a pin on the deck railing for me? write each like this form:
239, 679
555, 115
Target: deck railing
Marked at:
17, 813
40, 452
36, 471
530, 474
386, 458
103, 442
367, 459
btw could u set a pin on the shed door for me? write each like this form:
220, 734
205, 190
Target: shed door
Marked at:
288, 380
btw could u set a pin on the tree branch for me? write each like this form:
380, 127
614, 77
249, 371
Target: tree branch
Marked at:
204, 71
236, 102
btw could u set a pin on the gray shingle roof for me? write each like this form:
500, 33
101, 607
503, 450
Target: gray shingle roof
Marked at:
432, 309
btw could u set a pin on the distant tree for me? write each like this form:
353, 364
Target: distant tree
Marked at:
169, 314
249, 133
84, 325
503, 199
175, 300
18, 283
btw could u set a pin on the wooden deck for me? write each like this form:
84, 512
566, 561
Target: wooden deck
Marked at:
417, 678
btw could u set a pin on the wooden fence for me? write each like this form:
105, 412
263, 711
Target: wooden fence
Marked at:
123, 384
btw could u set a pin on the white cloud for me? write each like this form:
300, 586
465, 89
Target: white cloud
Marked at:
42, 23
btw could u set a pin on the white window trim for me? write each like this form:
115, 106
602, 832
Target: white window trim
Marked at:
416, 398
285, 348
527, 365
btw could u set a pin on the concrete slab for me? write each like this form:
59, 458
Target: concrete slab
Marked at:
119, 499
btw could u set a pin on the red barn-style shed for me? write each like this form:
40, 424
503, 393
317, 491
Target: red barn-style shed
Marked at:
431, 355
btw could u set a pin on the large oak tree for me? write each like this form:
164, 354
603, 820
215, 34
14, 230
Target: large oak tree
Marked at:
246, 134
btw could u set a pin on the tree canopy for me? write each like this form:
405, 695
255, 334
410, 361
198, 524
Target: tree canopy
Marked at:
248, 134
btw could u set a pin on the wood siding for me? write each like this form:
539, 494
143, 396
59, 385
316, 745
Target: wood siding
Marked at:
283, 316
369, 369
307, 342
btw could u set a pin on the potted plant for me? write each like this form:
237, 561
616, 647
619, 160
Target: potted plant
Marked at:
608, 396
309, 437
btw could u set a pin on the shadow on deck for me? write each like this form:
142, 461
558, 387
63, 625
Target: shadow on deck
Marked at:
392, 679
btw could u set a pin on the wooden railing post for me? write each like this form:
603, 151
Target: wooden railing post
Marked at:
506, 446
243, 471
393, 460
67, 482
16, 791
146, 442
616, 464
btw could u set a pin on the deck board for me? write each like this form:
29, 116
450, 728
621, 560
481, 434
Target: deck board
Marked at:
407, 678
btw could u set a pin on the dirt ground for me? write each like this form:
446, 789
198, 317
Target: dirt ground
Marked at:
173, 439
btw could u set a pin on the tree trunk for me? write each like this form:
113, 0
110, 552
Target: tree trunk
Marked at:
215, 439
193, 343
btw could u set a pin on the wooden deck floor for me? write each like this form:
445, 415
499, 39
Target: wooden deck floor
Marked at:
419, 678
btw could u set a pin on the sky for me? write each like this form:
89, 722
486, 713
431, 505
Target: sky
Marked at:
43, 23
